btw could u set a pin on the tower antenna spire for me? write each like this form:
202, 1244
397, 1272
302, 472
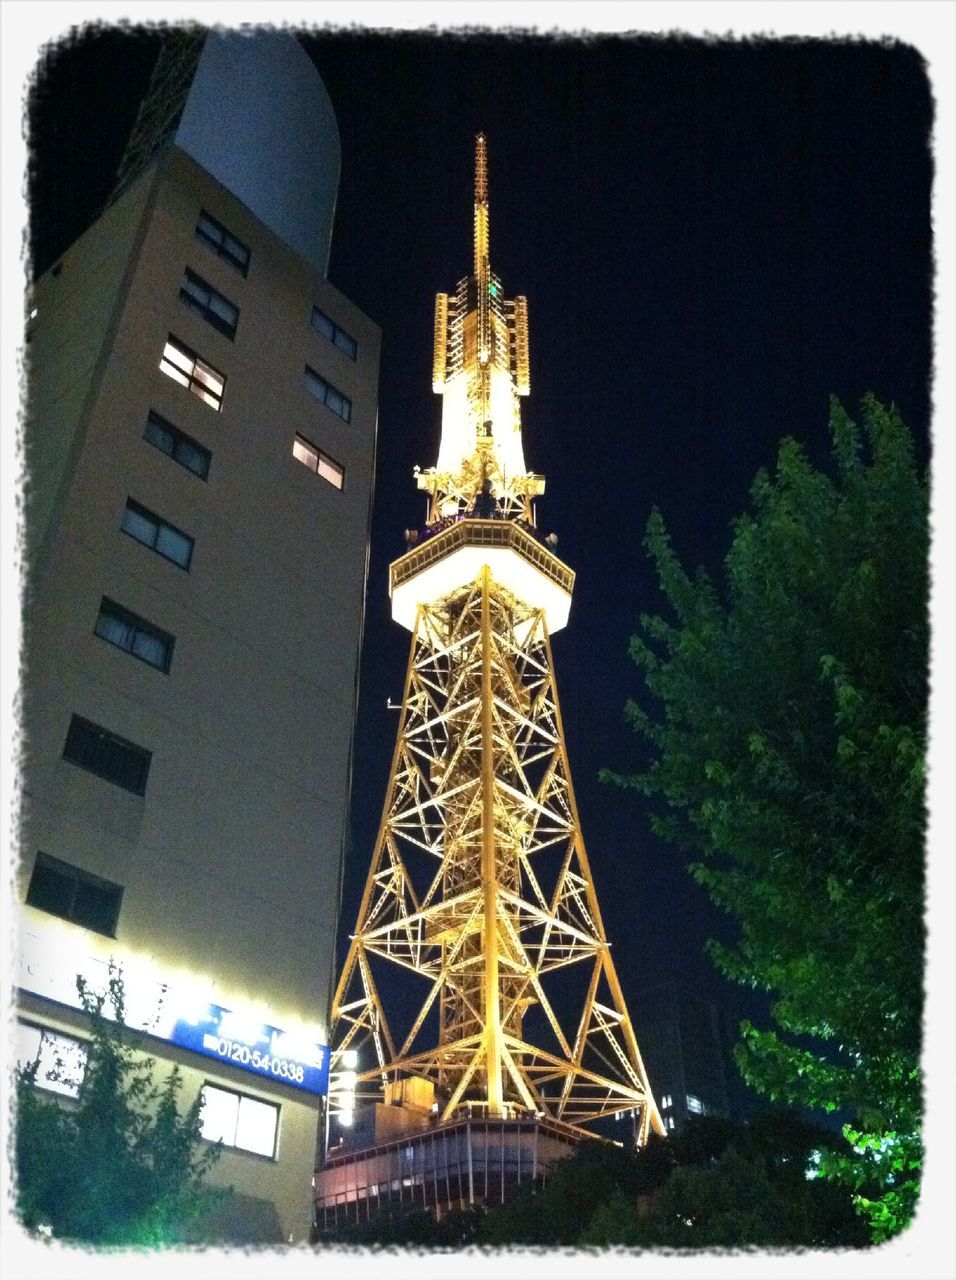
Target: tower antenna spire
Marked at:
481, 206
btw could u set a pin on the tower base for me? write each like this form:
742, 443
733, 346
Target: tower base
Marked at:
438, 1170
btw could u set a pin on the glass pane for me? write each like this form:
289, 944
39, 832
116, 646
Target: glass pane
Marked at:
205, 374
235, 250
174, 545
220, 1111
115, 630
315, 385
256, 1130
335, 402
346, 344
206, 396
324, 325
173, 372
96, 907
331, 471
159, 435
206, 227
140, 527
28, 1044
150, 648
62, 1060
196, 290
223, 308
51, 890
302, 451
192, 456
178, 358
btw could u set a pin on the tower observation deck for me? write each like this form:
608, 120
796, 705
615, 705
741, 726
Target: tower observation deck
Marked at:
478, 992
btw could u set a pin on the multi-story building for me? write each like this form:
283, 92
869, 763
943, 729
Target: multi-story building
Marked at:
199, 440
685, 1042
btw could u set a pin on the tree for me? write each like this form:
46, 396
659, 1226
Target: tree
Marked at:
121, 1165
785, 726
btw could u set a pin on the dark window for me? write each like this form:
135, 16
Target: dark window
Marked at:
154, 532
180, 447
182, 364
318, 462
331, 397
329, 329
107, 755
134, 634
215, 235
72, 894
212, 306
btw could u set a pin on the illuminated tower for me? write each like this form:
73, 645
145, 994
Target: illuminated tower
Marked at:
479, 987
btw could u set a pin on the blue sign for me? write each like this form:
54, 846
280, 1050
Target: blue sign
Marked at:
253, 1046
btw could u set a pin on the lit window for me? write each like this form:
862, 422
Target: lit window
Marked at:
73, 894
694, 1104
177, 445
185, 367
107, 755
216, 237
318, 462
212, 306
329, 396
236, 1120
338, 337
155, 533
128, 631
61, 1060
670, 1122
666, 1102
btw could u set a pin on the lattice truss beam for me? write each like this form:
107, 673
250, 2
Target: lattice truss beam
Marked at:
517, 1004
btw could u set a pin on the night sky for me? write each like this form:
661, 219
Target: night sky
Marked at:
712, 237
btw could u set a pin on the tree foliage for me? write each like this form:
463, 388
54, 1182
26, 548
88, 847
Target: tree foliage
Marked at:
786, 724
121, 1165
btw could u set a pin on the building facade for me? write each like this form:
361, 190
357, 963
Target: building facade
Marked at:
685, 1041
199, 441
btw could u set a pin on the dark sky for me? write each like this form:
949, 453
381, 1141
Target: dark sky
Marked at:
712, 237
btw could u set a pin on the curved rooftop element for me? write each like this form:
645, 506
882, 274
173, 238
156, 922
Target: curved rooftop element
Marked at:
258, 118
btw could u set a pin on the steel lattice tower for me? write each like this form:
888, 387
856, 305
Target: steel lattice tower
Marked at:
480, 887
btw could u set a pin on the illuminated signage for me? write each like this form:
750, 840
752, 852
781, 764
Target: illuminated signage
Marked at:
174, 1008
253, 1046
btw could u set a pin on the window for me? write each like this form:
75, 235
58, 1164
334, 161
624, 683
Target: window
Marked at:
329, 329
212, 306
65, 891
180, 447
666, 1102
670, 1122
236, 1120
107, 755
329, 396
184, 366
319, 462
215, 235
61, 1060
127, 631
694, 1104
156, 534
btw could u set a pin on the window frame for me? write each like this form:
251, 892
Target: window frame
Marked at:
198, 378
78, 726
320, 457
311, 377
79, 878
233, 1145
219, 239
49, 1035
336, 333
137, 509
140, 627
154, 419
206, 306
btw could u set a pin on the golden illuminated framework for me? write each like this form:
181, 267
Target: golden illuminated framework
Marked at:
480, 890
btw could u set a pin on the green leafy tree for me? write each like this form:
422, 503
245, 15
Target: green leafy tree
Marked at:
786, 731
123, 1164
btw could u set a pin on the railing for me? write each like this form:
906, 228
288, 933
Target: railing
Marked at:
469, 532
